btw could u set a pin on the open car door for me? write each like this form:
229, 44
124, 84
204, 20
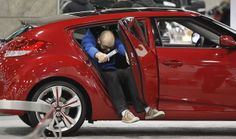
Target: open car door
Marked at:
142, 57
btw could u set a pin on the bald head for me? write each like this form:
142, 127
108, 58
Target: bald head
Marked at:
106, 40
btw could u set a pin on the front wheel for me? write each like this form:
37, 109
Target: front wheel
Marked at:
69, 105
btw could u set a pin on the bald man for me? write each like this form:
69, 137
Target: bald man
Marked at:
115, 78
106, 41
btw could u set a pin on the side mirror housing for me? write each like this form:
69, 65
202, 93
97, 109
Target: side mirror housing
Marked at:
227, 41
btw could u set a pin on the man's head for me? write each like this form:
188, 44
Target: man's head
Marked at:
106, 40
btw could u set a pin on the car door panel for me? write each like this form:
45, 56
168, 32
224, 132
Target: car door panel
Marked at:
194, 76
196, 79
140, 54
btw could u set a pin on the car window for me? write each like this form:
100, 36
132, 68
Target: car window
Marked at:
174, 33
79, 35
143, 26
144, 33
80, 32
185, 33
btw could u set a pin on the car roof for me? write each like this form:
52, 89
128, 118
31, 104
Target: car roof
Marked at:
52, 19
123, 10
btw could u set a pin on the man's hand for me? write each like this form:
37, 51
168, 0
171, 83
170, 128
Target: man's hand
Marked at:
102, 57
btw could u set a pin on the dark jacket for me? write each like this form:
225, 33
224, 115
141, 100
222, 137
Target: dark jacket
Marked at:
122, 4
144, 3
77, 6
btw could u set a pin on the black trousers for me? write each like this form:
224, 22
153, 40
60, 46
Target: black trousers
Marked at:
119, 82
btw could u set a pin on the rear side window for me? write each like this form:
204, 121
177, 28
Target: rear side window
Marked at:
96, 30
79, 33
18, 32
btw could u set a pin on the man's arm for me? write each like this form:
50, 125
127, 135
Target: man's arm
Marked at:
89, 44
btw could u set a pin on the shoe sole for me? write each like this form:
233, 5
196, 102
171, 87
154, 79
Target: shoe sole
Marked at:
131, 121
158, 116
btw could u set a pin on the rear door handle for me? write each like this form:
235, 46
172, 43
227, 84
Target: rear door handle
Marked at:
173, 63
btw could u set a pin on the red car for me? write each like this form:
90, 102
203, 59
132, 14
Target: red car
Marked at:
184, 64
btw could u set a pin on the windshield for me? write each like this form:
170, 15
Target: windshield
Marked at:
225, 26
219, 24
19, 30
221, 28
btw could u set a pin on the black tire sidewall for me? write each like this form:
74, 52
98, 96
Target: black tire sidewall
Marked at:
32, 115
25, 118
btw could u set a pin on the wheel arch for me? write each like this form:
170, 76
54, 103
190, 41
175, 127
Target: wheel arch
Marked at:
71, 81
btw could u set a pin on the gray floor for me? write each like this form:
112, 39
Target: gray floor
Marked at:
13, 128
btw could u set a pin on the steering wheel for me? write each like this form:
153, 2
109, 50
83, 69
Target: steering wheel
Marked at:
200, 42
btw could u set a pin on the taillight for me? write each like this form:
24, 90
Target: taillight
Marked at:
21, 46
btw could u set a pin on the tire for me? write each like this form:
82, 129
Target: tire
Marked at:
70, 115
24, 118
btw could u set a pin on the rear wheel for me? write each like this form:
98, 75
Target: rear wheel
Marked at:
25, 119
69, 105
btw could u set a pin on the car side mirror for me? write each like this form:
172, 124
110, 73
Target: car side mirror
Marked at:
227, 41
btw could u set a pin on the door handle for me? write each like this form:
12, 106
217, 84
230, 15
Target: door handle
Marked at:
173, 63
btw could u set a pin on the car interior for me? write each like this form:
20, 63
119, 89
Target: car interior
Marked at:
184, 33
96, 30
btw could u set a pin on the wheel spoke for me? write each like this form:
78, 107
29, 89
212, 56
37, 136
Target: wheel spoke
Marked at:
66, 105
52, 123
73, 102
68, 121
57, 91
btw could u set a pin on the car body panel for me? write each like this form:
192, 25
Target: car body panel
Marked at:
201, 79
63, 64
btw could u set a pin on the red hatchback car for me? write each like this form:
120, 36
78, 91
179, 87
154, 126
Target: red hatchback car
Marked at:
184, 64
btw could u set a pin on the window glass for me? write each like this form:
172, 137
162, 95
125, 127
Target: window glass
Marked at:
95, 29
79, 34
143, 35
143, 26
174, 33
185, 33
